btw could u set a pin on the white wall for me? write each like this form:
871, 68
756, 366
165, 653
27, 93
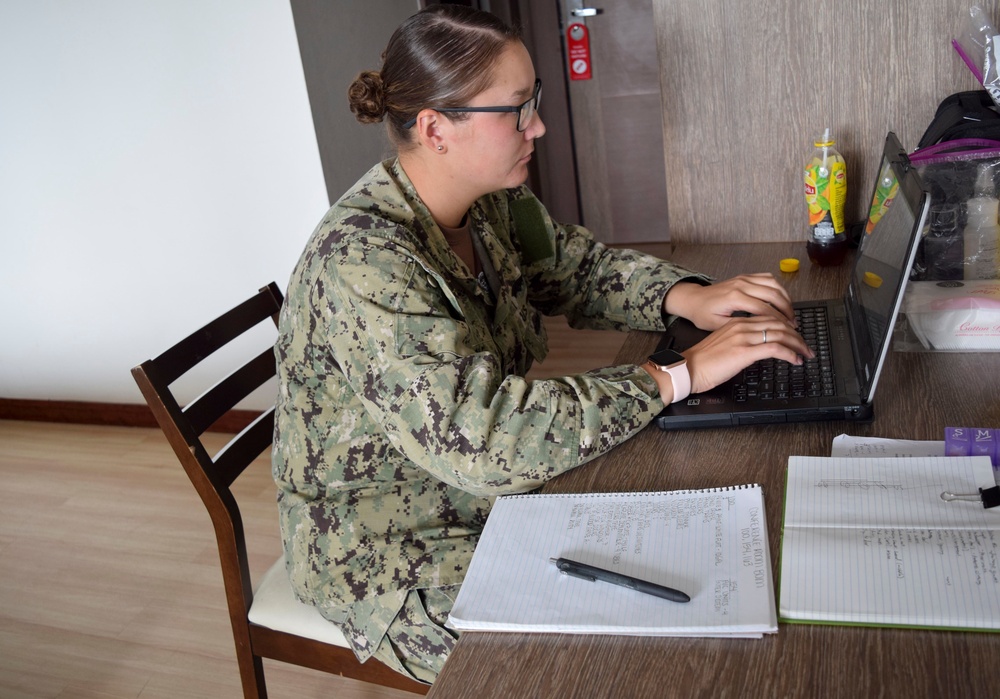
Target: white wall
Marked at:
157, 164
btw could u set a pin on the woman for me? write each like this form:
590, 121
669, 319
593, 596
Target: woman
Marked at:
412, 318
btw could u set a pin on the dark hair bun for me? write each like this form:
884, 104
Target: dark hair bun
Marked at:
367, 98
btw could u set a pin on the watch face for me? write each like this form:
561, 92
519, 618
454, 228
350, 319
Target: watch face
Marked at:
666, 358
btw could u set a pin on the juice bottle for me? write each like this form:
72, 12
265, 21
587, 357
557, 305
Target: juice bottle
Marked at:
826, 192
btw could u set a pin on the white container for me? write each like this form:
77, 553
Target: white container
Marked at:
958, 316
982, 229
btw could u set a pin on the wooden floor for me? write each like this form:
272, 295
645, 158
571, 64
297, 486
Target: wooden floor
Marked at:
109, 578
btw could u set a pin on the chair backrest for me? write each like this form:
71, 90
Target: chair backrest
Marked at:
184, 426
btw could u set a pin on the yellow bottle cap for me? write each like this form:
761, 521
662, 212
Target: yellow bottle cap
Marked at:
873, 280
789, 264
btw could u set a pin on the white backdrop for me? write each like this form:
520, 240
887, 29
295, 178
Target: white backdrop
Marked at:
158, 163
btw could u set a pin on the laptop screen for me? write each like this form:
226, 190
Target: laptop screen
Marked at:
885, 254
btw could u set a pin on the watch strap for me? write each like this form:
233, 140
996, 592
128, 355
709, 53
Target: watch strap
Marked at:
681, 379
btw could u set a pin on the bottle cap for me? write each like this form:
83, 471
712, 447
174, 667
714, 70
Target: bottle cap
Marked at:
825, 141
789, 264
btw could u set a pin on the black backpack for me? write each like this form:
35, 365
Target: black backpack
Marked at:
971, 114
959, 118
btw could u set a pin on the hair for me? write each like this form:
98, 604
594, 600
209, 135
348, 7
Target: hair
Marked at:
442, 56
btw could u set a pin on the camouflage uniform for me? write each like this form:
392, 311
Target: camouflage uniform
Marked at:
402, 407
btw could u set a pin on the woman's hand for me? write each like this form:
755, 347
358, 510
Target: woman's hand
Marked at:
740, 343
710, 307
735, 346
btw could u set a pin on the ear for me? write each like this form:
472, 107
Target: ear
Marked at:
432, 130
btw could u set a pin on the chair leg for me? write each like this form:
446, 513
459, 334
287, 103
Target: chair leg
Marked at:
251, 674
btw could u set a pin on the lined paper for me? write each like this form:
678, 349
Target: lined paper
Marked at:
711, 544
871, 541
848, 445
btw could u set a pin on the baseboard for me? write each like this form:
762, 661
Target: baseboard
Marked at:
92, 413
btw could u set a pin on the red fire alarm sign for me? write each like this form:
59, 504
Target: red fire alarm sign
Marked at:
578, 48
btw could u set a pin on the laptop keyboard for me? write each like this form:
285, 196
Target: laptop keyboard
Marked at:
775, 378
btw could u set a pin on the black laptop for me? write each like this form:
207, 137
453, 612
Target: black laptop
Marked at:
850, 335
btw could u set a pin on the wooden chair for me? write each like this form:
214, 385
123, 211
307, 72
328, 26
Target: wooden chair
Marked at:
268, 622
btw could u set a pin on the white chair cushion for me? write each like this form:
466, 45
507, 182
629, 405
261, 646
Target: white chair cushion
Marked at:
276, 607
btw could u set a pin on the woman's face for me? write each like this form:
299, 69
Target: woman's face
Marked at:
494, 154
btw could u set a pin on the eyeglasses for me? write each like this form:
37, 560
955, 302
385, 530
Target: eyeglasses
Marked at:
525, 111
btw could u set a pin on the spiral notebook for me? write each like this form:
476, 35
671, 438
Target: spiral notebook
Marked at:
711, 544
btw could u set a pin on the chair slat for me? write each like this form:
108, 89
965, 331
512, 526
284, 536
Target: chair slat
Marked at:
245, 447
177, 360
214, 403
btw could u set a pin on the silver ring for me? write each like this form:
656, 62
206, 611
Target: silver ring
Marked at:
765, 335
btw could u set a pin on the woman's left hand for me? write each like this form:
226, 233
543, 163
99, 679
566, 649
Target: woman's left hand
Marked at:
735, 346
711, 307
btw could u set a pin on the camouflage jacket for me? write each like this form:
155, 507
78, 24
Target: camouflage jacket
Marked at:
402, 407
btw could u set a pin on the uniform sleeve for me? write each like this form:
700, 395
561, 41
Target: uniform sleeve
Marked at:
432, 383
593, 285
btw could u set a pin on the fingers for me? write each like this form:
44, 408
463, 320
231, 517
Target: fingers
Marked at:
785, 341
763, 295
740, 343
710, 307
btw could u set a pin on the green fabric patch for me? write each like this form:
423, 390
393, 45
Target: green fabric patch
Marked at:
531, 231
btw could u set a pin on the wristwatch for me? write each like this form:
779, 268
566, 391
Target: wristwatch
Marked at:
674, 363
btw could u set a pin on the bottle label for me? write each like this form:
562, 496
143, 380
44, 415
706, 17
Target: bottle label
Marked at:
826, 192
838, 195
824, 231
886, 191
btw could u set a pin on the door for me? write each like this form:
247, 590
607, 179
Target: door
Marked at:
337, 40
616, 119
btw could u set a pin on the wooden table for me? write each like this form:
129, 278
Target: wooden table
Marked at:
919, 395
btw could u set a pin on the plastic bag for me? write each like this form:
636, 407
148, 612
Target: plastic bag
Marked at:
953, 300
950, 170
978, 45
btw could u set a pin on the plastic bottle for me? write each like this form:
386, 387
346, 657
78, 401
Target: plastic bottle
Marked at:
981, 229
826, 192
943, 247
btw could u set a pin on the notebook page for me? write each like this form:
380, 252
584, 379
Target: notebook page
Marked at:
710, 544
897, 554
885, 492
848, 445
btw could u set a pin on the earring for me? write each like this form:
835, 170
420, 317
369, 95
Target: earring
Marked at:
440, 147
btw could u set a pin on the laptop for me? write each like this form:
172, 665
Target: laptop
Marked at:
850, 335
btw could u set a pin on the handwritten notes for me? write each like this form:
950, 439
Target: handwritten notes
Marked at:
871, 541
711, 544
857, 447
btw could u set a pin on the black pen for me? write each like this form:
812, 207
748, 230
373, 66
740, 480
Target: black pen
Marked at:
588, 572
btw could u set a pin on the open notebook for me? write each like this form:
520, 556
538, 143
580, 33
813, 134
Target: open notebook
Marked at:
870, 541
711, 544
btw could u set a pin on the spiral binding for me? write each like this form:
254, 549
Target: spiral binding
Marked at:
640, 493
